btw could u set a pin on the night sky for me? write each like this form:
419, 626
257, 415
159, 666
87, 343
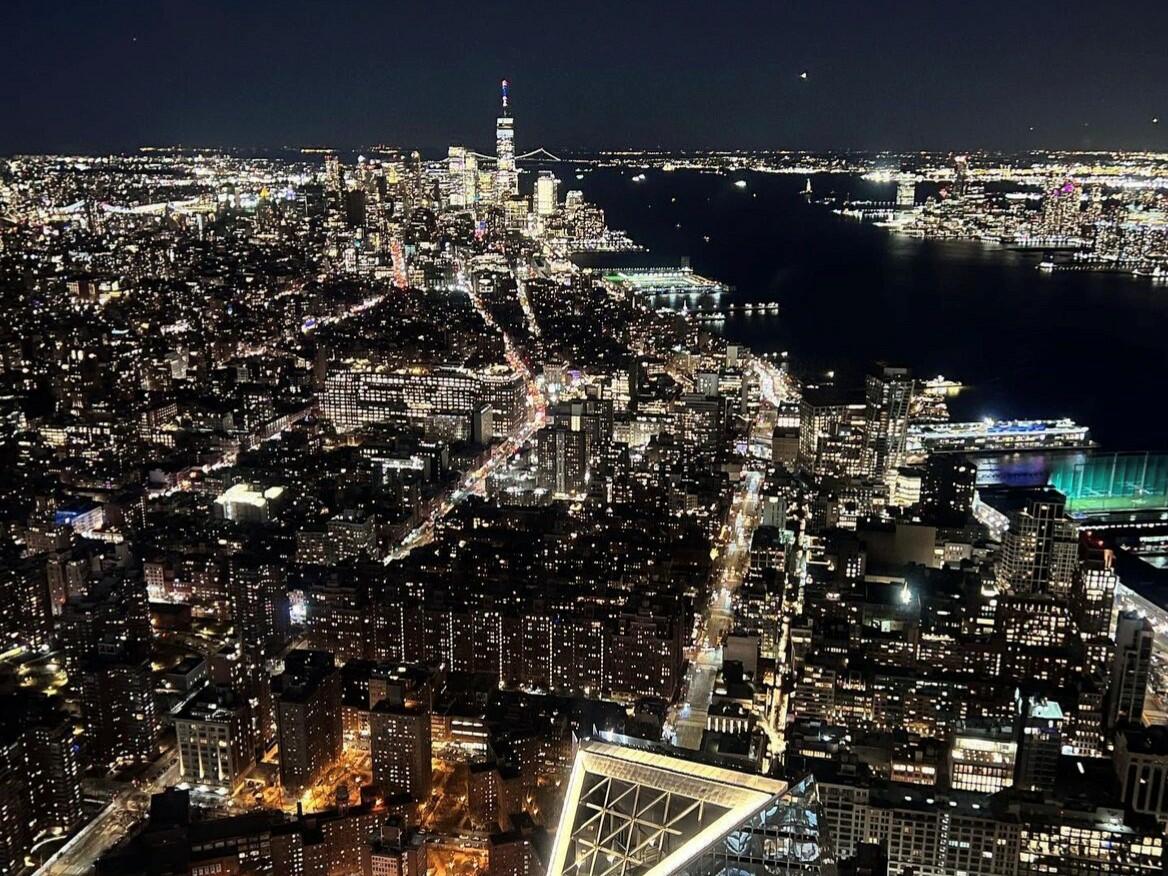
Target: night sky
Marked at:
113, 75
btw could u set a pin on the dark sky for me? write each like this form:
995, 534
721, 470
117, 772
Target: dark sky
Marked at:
115, 74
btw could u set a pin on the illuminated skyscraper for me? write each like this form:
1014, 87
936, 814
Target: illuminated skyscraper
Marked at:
546, 186
506, 177
1061, 210
463, 170
906, 191
1040, 551
960, 175
334, 174
888, 394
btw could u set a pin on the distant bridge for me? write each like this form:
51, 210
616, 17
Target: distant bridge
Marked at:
539, 154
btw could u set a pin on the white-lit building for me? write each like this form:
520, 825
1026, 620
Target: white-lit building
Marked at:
546, 193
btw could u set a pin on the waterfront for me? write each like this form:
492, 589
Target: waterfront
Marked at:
1031, 344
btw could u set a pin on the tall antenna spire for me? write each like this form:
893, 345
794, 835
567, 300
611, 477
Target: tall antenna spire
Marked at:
506, 99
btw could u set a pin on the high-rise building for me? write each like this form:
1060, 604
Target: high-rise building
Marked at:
563, 459
505, 391
117, 704
24, 590
1094, 593
308, 717
831, 433
1040, 549
1129, 674
1040, 742
258, 595
700, 420
334, 181
399, 740
960, 175
242, 670
947, 487
16, 834
888, 397
37, 741
506, 176
1061, 210
462, 168
1141, 765
906, 191
546, 193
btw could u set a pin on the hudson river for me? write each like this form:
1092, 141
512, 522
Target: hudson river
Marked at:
1028, 344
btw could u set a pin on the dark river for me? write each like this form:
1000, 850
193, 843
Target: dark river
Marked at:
1027, 343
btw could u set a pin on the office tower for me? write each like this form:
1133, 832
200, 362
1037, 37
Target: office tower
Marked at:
1094, 593
1040, 549
546, 189
906, 191
658, 811
982, 759
462, 169
1040, 741
1061, 216
947, 487
308, 717
258, 595
333, 174
399, 741
506, 176
960, 175
117, 705
1129, 674
888, 396
563, 459
216, 744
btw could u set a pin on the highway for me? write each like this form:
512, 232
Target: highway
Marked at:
114, 822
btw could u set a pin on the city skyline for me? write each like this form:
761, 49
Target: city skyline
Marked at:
474, 512
838, 75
